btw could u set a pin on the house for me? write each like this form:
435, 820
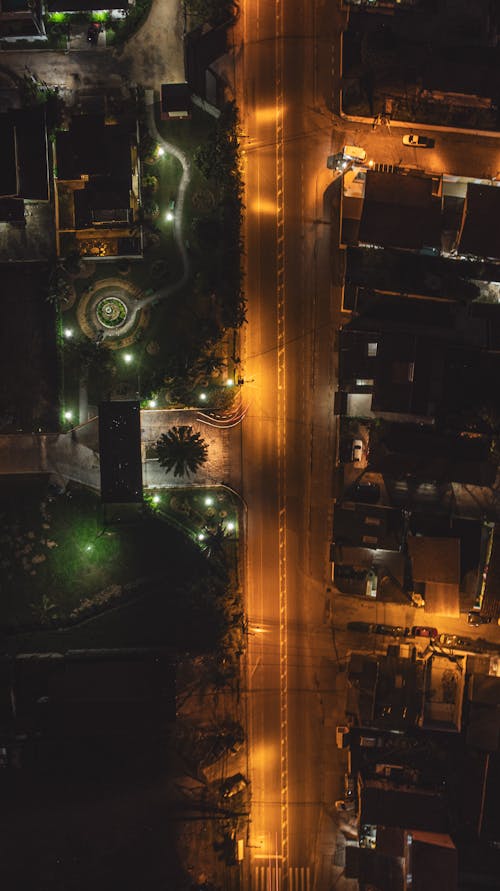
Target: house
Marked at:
21, 20
479, 235
444, 693
386, 803
120, 452
24, 164
202, 49
368, 526
489, 594
400, 211
97, 188
386, 690
422, 860
175, 101
435, 566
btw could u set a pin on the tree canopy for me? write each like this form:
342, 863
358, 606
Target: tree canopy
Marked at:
182, 450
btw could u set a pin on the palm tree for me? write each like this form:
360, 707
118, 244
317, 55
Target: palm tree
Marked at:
181, 450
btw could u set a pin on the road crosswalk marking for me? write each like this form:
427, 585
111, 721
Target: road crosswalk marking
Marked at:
269, 878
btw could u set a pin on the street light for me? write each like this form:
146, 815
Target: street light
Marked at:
203, 397
160, 151
156, 499
68, 332
230, 526
152, 403
201, 536
169, 216
209, 501
230, 382
68, 415
128, 358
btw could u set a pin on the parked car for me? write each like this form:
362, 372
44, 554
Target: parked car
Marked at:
423, 631
342, 736
475, 618
455, 641
371, 583
392, 630
357, 450
233, 785
371, 742
417, 141
360, 626
353, 153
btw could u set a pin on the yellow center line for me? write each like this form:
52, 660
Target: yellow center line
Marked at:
281, 433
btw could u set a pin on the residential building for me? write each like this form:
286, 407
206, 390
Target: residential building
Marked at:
97, 190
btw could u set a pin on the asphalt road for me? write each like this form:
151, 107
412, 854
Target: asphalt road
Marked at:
283, 84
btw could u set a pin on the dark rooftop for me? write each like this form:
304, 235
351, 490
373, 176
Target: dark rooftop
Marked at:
400, 211
91, 147
175, 99
383, 803
23, 154
480, 233
120, 452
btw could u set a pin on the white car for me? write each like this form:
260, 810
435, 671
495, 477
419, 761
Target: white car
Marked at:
353, 153
417, 141
357, 450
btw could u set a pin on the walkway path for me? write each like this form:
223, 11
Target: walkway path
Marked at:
74, 456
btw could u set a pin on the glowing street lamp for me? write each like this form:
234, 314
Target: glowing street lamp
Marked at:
68, 415
128, 358
230, 526
201, 536
160, 151
152, 403
169, 216
209, 500
156, 499
229, 382
68, 332
203, 397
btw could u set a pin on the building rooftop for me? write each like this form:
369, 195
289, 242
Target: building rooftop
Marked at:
480, 234
120, 452
400, 211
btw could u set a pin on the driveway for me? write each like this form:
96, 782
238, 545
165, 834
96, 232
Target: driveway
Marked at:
154, 55
75, 456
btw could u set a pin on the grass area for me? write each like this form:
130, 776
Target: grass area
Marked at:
56, 552
199, 510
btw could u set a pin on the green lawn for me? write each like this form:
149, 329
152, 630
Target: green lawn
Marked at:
56, 552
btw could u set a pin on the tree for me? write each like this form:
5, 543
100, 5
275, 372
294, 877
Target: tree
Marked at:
181, 450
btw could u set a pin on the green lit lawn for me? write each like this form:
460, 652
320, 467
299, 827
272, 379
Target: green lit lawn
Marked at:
86, 558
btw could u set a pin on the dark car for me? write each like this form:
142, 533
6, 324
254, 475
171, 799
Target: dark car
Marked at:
453, 640
392, 630
475, 618
233, 785
360, 626
93, 31
423, 631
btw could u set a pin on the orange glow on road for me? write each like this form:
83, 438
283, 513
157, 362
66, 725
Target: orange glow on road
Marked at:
263, 206
266, 114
